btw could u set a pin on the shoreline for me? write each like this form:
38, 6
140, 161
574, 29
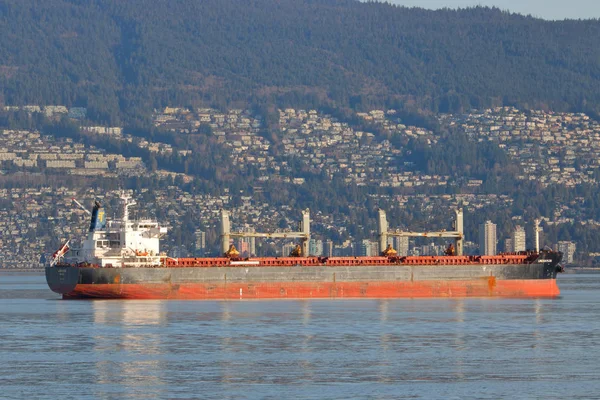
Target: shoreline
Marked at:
22, 270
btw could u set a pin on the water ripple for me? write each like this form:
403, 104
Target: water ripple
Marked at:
379, 349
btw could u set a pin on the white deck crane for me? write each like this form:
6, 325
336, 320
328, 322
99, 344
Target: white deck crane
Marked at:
304, 233
81, 206
457, 234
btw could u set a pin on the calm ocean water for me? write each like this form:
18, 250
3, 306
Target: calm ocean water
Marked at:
341, 349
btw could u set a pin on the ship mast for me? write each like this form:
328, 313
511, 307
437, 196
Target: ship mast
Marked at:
536, 228
125, 221
126, 203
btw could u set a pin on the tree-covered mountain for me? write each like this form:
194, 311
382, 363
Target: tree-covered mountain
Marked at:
122, 58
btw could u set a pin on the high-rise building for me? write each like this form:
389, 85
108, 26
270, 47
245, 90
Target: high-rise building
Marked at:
518, 237
487, 239
328, 248
375, 248
509, 246
243, 246
251, 241
200, 243
401, 245
568, 250
366, 248
430, 250
315, 247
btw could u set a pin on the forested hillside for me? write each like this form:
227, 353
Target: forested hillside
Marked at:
339, 106
122, 58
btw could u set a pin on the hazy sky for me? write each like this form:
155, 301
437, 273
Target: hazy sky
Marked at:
548, 9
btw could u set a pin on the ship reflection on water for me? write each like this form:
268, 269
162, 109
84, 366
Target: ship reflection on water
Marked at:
127, 342
231, 345
459, 342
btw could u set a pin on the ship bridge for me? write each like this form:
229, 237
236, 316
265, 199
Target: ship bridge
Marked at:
109, 242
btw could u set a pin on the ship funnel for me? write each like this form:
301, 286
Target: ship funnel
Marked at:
98, 220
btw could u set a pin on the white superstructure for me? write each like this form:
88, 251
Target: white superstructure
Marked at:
119, 243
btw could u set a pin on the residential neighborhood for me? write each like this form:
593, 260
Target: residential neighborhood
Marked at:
30, 151
551, 148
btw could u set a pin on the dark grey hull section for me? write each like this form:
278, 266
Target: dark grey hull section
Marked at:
89, 282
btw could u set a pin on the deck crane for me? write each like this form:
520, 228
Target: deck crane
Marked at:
81, 206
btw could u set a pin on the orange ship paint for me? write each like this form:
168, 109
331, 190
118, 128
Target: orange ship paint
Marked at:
522, 275
484, 287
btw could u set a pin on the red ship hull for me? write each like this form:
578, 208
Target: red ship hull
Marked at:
305, 278
482, 287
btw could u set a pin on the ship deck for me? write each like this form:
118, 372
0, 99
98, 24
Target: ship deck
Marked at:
521, 258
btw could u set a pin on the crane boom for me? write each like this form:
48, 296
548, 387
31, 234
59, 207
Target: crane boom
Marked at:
81, 206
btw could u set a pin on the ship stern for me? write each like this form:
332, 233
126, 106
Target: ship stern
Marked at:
62, 279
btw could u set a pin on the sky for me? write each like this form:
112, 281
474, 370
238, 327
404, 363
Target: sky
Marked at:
547, 9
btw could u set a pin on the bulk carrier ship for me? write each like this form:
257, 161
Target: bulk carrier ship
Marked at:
121, 259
